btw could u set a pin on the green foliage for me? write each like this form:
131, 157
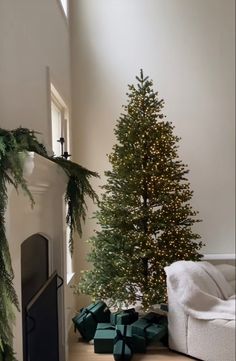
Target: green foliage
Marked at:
7, 353
145, 216
14, 145
78, 187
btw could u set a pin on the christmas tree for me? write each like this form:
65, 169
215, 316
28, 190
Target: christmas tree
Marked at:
144, 214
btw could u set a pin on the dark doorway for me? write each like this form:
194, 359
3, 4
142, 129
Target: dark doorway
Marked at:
42, 342
34, 273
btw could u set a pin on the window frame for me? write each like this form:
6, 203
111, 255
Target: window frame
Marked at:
58, 101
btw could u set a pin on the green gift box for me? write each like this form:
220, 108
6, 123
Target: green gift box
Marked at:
152, 327
104, 338
86, 321
138, 344
124, 317
123, 343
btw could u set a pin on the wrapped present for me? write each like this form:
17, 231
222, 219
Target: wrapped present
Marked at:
104, 338
164, 307
152, 327
124, 317
86, 321
123, 343
153, 317
138, 344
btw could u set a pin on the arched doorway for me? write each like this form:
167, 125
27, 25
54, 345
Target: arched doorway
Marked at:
34, 273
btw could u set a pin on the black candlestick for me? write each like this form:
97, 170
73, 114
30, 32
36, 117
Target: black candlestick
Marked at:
64, 154
62, 141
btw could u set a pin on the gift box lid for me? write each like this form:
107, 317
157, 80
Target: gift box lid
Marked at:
149, 330
96, 305
153, 317
105, 326
104, 338
86, 325
156, 331
100, 311
124, 317
104, 332
104, 335
86, 321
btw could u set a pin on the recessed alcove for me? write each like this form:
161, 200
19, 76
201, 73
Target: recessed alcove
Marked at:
34, 266
34, 274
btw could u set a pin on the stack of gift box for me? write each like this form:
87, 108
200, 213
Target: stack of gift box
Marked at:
121, 333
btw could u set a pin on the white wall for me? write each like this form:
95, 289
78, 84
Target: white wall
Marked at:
34, 35
187, 48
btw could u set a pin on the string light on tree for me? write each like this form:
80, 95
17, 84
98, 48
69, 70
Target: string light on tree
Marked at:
145, 214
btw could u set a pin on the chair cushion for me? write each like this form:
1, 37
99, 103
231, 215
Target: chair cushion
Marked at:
211, 340
228, 271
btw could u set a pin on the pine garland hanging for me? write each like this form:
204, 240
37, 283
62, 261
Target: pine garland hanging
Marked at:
14, 144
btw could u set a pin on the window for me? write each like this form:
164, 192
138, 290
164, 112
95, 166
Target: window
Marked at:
61, 147
59, 124
64, 4
57, 132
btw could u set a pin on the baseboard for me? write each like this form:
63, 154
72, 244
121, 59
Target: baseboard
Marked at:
219, 256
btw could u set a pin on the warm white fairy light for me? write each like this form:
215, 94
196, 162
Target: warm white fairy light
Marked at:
145, 215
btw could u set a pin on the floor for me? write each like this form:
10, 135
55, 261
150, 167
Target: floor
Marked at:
82, 351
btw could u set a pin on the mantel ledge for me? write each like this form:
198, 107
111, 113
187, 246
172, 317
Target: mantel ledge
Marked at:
42, 174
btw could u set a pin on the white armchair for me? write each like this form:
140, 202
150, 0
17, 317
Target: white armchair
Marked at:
208, 340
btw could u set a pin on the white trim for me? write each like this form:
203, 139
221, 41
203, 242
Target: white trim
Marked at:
57, 98
49, 110
219, 256
65, 16
69, 277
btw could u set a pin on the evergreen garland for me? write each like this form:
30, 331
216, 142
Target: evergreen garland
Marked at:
13, 146
77, 188
145, 215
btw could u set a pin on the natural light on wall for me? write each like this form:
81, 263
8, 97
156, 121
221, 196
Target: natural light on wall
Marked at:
56, 117
64, 4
